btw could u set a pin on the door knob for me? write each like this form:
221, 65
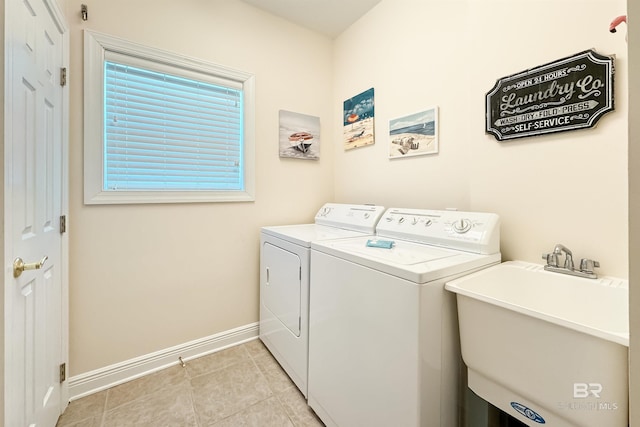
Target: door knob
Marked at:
19, 265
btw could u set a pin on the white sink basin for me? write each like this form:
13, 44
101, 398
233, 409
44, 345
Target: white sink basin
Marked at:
547, 348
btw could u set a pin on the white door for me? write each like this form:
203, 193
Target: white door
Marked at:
35, 344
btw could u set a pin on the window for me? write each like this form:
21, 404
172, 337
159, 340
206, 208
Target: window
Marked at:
162, 128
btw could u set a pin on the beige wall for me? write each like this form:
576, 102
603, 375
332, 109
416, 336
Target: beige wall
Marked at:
568, 188
409, 52
147, 277
634, 212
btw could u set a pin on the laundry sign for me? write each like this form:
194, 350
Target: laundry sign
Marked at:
567, 94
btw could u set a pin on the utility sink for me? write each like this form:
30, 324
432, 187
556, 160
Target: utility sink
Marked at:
548, 349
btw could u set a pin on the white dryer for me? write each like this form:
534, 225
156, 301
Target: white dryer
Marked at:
384, 346
284, 279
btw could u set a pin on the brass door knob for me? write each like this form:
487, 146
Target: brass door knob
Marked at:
19, 265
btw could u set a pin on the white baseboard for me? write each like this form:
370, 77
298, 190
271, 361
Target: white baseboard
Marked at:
92, 382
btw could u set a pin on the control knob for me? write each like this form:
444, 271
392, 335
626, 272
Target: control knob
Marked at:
461, 226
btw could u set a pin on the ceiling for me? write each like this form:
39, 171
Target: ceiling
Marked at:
329, 17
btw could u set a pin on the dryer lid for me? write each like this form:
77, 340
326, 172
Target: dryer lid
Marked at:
304, 234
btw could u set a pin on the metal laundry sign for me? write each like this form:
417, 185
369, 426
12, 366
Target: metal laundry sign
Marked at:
567, 94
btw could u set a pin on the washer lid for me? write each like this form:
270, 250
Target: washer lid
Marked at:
400, 253
304, 234
415, 262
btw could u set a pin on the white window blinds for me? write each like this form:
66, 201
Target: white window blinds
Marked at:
171, 133
160, 127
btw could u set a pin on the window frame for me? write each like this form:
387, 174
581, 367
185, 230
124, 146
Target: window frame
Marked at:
95, 47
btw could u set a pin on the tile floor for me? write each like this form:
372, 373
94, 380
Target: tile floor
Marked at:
239, 386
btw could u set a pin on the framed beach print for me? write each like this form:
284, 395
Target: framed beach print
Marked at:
414, 135
358, 116
299, 136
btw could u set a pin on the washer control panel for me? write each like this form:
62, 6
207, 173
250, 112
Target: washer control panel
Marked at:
477, 232
350, 217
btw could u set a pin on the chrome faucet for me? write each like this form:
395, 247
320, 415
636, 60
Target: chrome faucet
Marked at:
586, 265
568, 260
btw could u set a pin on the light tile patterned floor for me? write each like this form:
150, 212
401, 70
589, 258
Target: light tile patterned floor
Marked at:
239, 386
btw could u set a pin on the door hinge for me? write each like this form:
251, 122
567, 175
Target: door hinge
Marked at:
63, 76
63, 372
63, 224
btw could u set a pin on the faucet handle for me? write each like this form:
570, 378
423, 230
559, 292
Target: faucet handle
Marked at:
587, 265
552, 259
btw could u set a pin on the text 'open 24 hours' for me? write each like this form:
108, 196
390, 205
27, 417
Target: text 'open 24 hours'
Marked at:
568, 94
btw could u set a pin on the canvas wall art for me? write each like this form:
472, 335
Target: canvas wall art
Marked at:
299, 136
358, 117
414, 135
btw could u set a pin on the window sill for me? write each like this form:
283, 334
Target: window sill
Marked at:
142, 197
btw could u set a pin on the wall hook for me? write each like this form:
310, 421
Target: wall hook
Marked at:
84, 12
619, 20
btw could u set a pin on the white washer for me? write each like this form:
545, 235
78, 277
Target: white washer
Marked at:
384, 346
284, 279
